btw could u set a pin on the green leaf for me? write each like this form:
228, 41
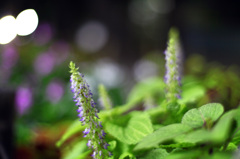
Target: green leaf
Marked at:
156, 154
230, 147
144, 89
211, 111
219, 155
193, 118
78, 151
191, 154
83, 155
127, 155
178, 145
191, 92
161, 135
197, 136
206, 114
221, 130
76, 127
112, 145
138, 126
218, 134
73, 129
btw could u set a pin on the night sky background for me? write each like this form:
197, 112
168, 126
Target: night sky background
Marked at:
211, 28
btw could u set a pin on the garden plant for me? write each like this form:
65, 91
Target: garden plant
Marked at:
185, 118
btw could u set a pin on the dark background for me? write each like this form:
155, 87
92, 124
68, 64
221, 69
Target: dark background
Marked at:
210, 28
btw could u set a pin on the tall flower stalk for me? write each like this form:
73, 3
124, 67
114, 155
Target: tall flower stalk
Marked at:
88, 114
173, 68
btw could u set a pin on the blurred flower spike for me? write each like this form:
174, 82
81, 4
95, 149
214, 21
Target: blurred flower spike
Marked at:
88, 114
172, 76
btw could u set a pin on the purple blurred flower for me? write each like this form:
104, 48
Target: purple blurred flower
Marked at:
60, 50
55, 91
23, 99
9, 57
43, 34
44, 63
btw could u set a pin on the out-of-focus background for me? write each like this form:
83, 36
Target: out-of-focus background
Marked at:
116, 43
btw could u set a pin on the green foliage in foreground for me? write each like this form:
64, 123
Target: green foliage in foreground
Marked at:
171, 126
203, 132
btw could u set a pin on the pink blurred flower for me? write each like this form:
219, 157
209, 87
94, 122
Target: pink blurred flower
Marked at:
43, 34
9, 57
44, 63
54, 91
23, 99
61, 51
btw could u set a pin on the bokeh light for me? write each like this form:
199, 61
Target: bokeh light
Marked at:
144, 69
92, 36
23, 99
7, 29
109, 73
161, 6
26, 22
140, 13
54, 91
44, 63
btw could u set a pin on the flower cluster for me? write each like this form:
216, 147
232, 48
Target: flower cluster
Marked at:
172, 77
88, 114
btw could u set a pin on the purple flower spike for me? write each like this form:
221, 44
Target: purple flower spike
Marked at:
82, 119
80, 115
86, 131
100, 125
110, 154
103, 133
105, 145
89, 143
173, 65
80, 109
88, 114
94, 154
96, 115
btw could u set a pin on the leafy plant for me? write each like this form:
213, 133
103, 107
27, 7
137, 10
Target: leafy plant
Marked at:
176, 127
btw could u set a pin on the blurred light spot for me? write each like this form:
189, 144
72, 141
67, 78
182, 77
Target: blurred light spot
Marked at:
26, 22
23, 99
44, 63
161, 6
92, 36
43, 34
93, 83
109, 73
7, 29
140, 13
144, 69
54, 91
